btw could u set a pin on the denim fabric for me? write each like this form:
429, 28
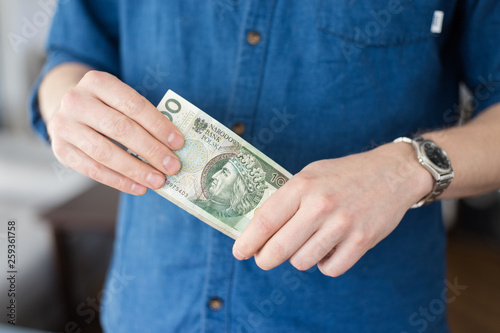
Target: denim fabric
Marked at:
329, 78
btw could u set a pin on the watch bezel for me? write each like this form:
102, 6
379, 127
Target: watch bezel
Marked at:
437, 172
441, 150
442, 177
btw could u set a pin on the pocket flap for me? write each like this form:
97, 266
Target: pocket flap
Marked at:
377, 22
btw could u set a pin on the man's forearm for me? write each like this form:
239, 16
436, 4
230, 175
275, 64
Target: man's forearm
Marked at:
56, 84
474, 151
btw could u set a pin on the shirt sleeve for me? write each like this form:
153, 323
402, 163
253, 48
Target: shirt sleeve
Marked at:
480, 51
83, 32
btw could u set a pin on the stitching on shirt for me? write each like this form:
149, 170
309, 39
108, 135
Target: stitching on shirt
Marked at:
352, 40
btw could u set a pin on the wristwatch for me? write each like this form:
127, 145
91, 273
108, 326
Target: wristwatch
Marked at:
436, 161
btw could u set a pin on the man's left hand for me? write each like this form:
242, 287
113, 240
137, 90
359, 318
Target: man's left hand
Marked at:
333, 211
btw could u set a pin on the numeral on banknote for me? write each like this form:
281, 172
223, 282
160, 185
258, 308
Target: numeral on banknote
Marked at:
169, 108
277, 179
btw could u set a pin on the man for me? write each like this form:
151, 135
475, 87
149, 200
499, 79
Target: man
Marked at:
235, 189
316, 85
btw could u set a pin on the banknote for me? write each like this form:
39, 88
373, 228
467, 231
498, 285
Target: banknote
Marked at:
223, 179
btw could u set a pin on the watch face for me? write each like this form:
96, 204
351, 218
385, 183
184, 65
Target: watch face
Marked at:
436, 155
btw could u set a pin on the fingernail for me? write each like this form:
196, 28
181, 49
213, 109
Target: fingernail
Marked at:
155, 180
237, 254
138, 189
172, 165
175, 141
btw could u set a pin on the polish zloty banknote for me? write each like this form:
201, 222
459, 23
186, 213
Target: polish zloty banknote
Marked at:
223, 179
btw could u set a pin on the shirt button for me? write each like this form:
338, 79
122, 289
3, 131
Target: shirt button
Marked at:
215, 303
239, 128
253, 38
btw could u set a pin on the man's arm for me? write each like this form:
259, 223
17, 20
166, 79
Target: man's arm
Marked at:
83, 109
474, 152
333, 211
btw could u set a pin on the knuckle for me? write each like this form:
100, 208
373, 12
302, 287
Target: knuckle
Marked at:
162, 127
361, 239
94, 171
108, 126
94, 77
101, 154
122, 127
263, 224
278, 251
303, 183
70, 99
73, 160
134, 104
323, 245
156, 150
60, 151
343, 221
86, 146
135, 171
121, 184
56, 127
341, 227
322, 204
65, 154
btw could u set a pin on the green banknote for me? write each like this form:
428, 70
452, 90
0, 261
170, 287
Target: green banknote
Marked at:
223, 179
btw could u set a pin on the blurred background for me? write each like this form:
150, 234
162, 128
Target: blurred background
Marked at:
65, 222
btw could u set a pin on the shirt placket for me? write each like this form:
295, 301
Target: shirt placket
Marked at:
249, 67
239, 117
217, 287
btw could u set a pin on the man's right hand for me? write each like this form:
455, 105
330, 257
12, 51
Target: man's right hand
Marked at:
99, 108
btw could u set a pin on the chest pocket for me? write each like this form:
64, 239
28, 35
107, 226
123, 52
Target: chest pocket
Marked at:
378, 22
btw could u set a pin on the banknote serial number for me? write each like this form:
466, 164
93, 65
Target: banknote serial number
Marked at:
176, 188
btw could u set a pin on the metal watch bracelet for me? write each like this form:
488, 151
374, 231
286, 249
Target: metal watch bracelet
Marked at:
441, 180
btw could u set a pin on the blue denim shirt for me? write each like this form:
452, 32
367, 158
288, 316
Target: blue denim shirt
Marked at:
328, 78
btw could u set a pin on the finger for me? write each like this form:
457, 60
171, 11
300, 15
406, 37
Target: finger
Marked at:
115, 125
106, 153
271, 216
319, 245
287, 240
75, 159
126, 100
345, 255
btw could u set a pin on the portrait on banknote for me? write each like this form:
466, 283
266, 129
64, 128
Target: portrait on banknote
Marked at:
233, 184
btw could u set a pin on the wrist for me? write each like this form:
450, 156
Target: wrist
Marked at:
410, 176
